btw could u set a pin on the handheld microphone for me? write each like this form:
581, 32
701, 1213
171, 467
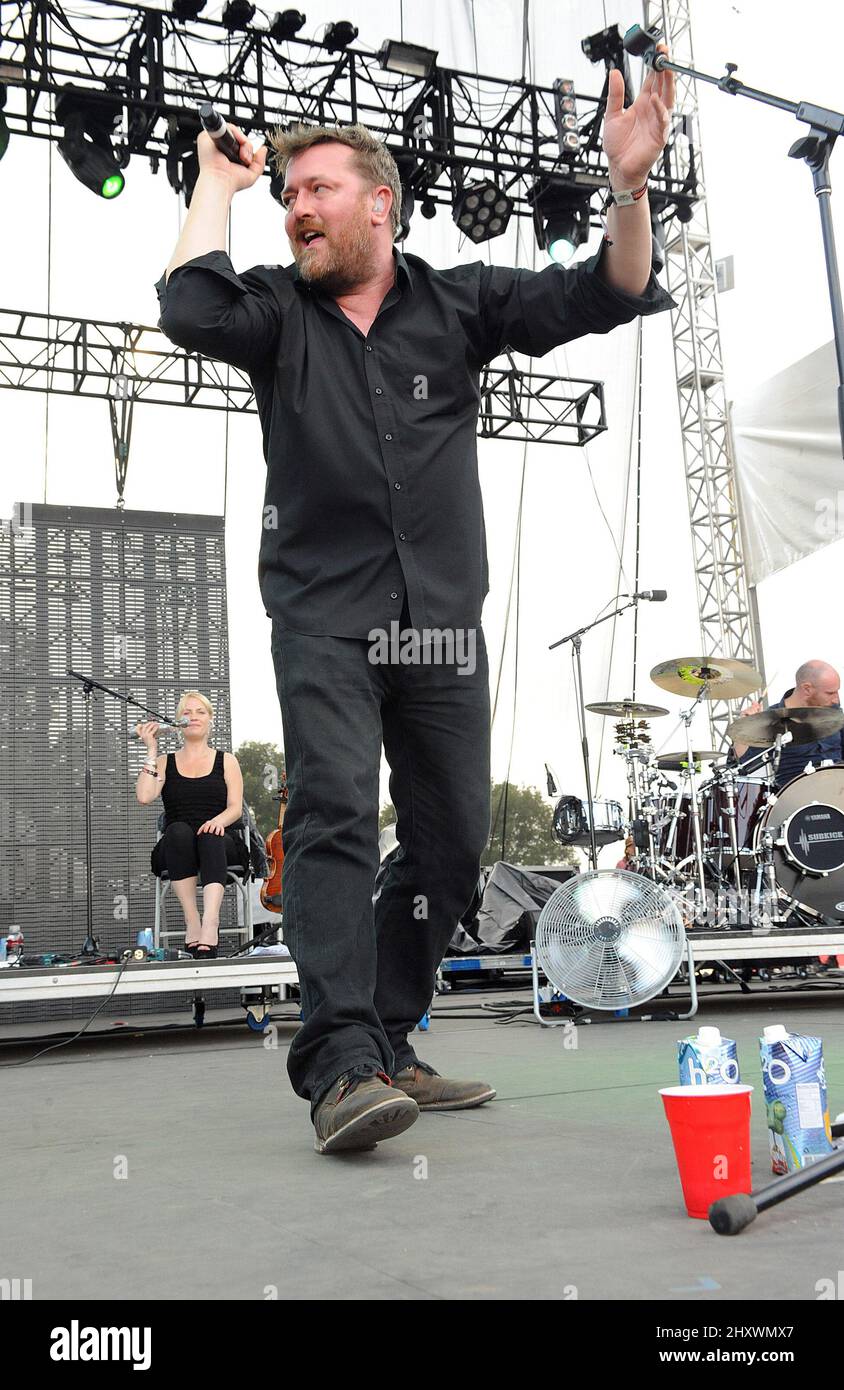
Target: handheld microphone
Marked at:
652, 595
216, 127
180, 723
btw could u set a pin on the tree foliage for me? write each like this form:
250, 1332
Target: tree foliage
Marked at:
262, 765
528, 833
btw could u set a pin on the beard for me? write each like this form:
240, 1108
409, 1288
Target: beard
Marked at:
346, 258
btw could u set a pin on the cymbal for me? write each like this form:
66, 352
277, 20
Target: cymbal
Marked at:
627, 709
676, 762
804, 725
724, 678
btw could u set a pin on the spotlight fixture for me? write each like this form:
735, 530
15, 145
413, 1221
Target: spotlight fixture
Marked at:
482, 211
409, 58
408, 176
182, 157
560, 217
86, 144
565, 117
607, 46
186, 9
428, 208
338, 36
286, 25
238, 14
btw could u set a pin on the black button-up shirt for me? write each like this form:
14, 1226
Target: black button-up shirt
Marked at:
370, 440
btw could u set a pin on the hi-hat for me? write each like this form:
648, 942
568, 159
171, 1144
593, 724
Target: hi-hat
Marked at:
628, 709
804, 725
724, 678
676, 762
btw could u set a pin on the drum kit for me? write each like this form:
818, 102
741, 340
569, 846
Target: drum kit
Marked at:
737, 851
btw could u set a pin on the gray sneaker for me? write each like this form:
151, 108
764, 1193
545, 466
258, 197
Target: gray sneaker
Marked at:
358, 1110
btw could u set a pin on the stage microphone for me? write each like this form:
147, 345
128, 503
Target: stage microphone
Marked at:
213, 122
652, 595
641, 43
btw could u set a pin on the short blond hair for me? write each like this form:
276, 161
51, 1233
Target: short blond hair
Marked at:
194, 695
372, 159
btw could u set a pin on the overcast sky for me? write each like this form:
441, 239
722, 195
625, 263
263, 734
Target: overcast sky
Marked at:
103, 259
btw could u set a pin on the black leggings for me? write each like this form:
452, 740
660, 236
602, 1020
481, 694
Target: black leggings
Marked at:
184, 854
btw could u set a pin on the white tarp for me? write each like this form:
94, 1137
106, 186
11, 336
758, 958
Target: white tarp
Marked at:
789, 470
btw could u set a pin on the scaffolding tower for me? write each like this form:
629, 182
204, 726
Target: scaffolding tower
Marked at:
727, 624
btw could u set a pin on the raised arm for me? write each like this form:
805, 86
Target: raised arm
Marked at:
152, 774
633, 140
216, 185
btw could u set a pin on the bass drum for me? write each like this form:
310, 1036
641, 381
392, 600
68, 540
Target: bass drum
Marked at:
806, 821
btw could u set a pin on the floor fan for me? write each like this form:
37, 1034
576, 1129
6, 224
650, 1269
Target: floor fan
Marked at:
608, 939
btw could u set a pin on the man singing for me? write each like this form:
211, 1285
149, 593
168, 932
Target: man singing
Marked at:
365, 365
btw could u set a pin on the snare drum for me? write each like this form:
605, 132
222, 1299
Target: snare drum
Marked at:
571, 821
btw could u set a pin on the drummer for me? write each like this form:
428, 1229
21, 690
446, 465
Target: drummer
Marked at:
816, 686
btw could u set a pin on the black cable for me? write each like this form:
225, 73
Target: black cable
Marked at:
88, 1023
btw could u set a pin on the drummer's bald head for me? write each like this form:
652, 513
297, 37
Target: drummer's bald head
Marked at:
820, 681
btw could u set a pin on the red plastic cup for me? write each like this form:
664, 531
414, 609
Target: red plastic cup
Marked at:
710, 1130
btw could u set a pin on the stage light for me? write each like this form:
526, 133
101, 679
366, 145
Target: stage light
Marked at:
565, 232
565, 116
182, 157
286, 25
428, 208
338, 36
238, 14
560, 217
482, 211
186, 9
607, 46
409, 58
86, 144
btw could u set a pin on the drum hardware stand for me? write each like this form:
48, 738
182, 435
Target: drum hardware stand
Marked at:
694, 795
576, 640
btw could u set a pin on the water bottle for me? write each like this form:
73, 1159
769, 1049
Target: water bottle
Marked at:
14, 944
145, 939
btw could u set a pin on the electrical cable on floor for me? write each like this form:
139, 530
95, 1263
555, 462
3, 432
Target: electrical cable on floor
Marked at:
82, 1030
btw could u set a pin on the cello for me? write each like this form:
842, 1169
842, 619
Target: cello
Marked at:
271, 888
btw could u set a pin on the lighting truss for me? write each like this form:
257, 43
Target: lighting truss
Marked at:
123, 363
460, 126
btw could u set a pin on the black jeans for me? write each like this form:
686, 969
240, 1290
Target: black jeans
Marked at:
184, 854
367, 972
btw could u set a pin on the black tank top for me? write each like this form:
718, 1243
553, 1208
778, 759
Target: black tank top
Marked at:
194, 799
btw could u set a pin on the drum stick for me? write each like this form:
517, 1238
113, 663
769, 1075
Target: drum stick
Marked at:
730, 1215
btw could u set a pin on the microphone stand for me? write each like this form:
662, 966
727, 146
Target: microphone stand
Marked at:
815, 149
576, 640
91, 947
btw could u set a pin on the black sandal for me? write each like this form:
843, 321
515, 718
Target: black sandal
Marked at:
204, 952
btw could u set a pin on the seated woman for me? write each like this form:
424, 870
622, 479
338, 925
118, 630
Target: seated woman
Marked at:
202, 791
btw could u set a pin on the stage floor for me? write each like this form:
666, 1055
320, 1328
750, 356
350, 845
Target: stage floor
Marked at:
565, 1182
